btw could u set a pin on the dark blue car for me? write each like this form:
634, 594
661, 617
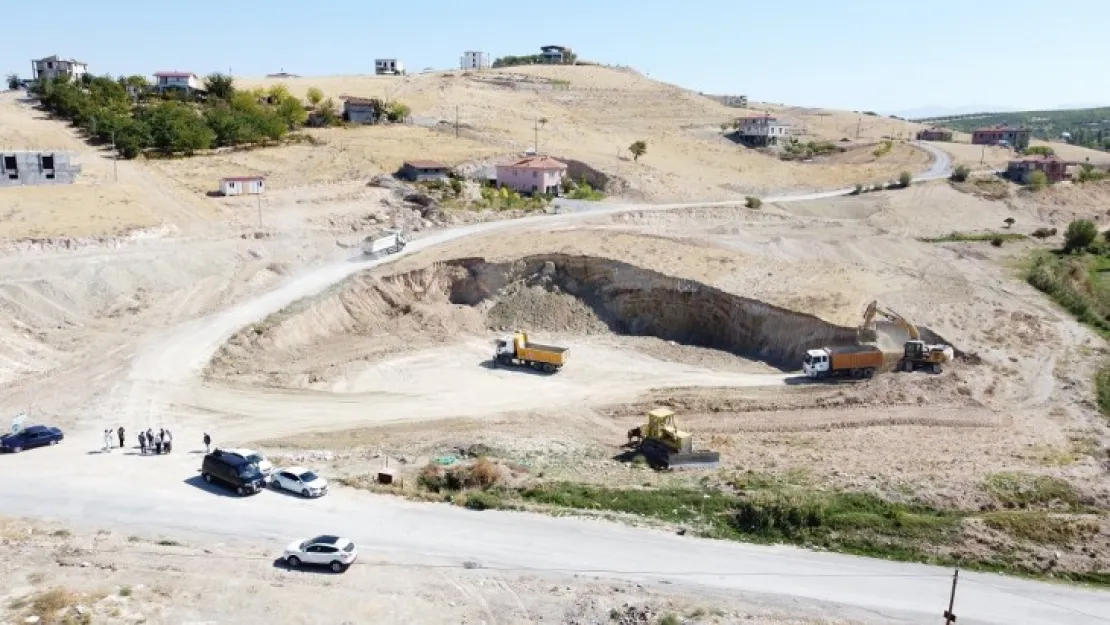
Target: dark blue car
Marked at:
28, 438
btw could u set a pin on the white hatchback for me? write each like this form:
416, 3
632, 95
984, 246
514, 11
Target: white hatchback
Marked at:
300, 480
331, 551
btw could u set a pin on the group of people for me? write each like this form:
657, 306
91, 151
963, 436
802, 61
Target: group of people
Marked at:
160, 442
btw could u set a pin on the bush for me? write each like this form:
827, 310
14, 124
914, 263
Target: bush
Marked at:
1088, 173
314, 96
1102, 389
482, 500
883, 148
961, 173
638, 149
753, 202
1037, 180
1044, 233
1080, 234
1009, 221
905, 179
996, 241
858, 189
1042, 150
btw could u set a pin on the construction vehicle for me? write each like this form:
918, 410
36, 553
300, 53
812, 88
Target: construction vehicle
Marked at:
390, 242
916, 353
520, 351
856, 361
667, 447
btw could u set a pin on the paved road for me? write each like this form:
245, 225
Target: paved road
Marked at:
72, 488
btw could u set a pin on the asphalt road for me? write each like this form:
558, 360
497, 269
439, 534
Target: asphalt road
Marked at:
76, 490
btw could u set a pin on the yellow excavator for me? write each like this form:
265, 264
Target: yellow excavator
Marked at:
916, 353
667, 447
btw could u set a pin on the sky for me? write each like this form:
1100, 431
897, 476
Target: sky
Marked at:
889, 56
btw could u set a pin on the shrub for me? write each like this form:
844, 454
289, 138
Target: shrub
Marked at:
905, 179
1088, 173
996, 241
883, 148
858, 189
1037, 180
431, 477
1102, 389
1042, 150
753, 202
638, 149
456, 186
482, 500
669, 619
1024, 490
961, 173
1044, 233
314, 96
1009, 221
1080, 234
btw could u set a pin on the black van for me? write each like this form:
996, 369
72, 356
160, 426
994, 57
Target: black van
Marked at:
232, 470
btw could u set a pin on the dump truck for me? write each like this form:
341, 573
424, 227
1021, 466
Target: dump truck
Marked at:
520, 351
389, 242
857, 361
664, 446
917, 354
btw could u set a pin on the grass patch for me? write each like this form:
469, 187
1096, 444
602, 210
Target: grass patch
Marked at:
1024, 490
1102, 388
669, 619
53, 606
883, 149
1042, 528
165, 542
125, 591
961, 237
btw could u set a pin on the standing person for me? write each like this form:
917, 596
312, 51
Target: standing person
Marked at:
207, 443
158, 443
142, 442
167, 441
120, 432
150, 439
107, 440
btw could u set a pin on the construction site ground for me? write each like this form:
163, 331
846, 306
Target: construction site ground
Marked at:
261, 324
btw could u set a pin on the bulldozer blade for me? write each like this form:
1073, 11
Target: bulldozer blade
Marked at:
694, 460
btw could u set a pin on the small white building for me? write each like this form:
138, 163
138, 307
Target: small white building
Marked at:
388, 67
52, 67
176, 80
243, 185
474, 61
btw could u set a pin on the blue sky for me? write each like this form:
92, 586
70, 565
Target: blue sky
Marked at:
884, 55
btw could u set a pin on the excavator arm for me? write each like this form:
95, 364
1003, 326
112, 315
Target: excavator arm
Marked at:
900, 320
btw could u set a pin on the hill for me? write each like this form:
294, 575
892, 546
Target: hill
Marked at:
1088, 127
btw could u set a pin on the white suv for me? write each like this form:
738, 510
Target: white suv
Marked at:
264, 465
331, 551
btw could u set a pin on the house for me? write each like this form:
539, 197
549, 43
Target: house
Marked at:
556, 55
534, 174
242, 185
52, 67
934, 134
1013, 136
735, 101
360, 110
186, 81
388, 67
474, 61
33, 168
761, 130
423, 171
1054, 168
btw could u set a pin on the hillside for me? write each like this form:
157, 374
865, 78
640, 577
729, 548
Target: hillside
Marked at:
1088, 127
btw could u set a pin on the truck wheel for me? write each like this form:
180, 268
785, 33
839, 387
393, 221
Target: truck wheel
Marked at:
549, 368
868, 372
537, 366
857, 374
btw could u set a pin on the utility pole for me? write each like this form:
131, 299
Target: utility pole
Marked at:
260, 212
537, 143
949, 615
456, 121
859, 122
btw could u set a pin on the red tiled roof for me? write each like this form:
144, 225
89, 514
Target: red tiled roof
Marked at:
242, 178
538, 162
425, 165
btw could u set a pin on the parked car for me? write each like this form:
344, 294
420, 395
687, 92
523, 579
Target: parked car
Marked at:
331, 551
31, 437
264, 465
300, 480
232, 470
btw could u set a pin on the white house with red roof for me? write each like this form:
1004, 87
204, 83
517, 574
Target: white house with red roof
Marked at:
176, 80
534, 174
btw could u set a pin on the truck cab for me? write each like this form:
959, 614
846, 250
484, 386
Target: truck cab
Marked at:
815, 363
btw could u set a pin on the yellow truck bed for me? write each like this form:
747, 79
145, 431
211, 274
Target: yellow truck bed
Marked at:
543, 353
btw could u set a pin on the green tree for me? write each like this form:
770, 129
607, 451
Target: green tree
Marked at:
397, 112
329, 113
315, 96
1080, 234
1009, 221
291, 112
1042, 150
905, 179
277, 93
1038, 180
220, 86
13, 81
132, 138
638, 149
175, 127
961, 173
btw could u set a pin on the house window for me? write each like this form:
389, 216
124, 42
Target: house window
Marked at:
48, 162
534, 174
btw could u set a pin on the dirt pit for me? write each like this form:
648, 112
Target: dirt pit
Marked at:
596, 306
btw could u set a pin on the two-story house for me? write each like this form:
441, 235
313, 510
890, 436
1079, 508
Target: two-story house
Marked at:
555, 55
186, 81
52, 67
1055, 169
934, 134
474, 61
761, 130
534, 174
388, 67
1013, 136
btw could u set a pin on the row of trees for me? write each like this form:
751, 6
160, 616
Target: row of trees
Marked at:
569, 58
125, 111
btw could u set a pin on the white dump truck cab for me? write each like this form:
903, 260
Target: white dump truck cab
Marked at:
504, 346
816, 363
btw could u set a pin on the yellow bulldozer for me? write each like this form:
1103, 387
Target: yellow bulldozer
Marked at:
667, 447
916, 353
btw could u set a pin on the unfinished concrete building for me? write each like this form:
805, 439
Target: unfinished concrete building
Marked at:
19, 168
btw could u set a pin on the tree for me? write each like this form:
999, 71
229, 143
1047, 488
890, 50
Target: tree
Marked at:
1080, 234
13, 81
905, 179
175, 127
397, 112
1009, 221
328, 112
638, 149
961, 173
315, 96
1043, 150
292, 112
1038, 180
220, 86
